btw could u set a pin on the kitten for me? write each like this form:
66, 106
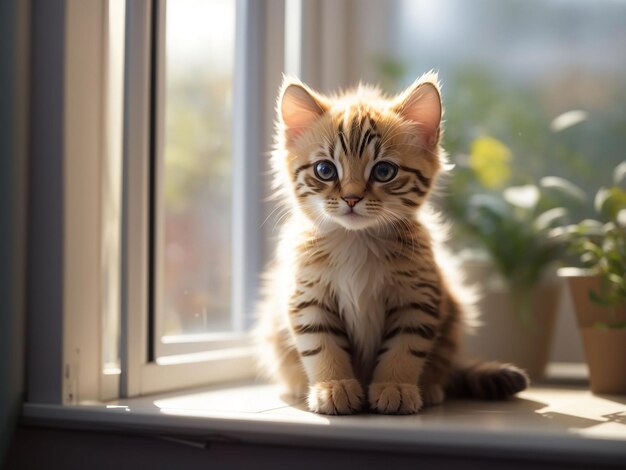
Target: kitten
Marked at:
357, 307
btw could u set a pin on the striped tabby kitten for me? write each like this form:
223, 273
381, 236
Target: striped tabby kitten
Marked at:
357, 308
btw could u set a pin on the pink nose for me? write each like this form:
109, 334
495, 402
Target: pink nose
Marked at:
352, 200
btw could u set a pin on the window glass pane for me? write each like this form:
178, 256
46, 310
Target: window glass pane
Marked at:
199, 60
509, 69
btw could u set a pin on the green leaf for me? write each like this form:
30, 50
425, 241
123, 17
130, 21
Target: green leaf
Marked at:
619, 174
601, 197
525, 196
589, 258
614, 202
568, 119
590, 227
564, 187
547, 218
493, 204
600, 300
615, 279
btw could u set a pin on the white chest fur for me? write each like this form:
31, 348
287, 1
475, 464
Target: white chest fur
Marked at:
357, 274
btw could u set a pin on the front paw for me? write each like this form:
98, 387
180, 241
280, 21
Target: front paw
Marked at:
395, 398
336, 397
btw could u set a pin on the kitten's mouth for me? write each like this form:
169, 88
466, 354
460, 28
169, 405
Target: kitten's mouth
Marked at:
352, 220
352, 214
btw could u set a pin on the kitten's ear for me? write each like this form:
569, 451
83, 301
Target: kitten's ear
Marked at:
421, 104
299, 108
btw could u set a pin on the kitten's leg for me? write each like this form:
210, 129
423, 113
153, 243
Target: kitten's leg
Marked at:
438, 369
290, 371
410, 331
324, 350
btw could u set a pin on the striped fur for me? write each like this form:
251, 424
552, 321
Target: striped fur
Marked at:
360, 305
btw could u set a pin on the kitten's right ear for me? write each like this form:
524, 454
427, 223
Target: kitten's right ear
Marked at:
300, 107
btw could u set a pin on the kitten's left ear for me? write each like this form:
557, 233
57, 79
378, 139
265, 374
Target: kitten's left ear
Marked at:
421, 104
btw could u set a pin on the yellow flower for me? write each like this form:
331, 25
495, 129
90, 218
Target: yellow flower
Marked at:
489, 158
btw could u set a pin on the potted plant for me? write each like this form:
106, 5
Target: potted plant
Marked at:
520, 289
512, 259
599, 289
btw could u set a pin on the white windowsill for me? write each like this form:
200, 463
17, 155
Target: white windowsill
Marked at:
560, 422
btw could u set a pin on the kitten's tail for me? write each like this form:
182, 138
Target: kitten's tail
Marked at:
487, 380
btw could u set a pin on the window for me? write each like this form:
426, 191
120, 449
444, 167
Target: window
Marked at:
139, 153
192, 218
194, 187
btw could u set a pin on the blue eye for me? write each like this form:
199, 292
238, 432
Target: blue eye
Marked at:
325, 170
384, 172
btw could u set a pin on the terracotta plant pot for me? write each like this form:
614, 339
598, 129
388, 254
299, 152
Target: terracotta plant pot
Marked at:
507, 333
605, 349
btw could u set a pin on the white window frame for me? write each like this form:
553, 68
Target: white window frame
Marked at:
69, 66
195, 359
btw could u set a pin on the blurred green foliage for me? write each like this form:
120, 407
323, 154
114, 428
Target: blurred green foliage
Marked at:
600, 243
391, 71
197, 181
198, 141
504, 135
513, 227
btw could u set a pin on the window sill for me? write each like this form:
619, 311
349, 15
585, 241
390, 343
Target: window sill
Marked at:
548, 422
